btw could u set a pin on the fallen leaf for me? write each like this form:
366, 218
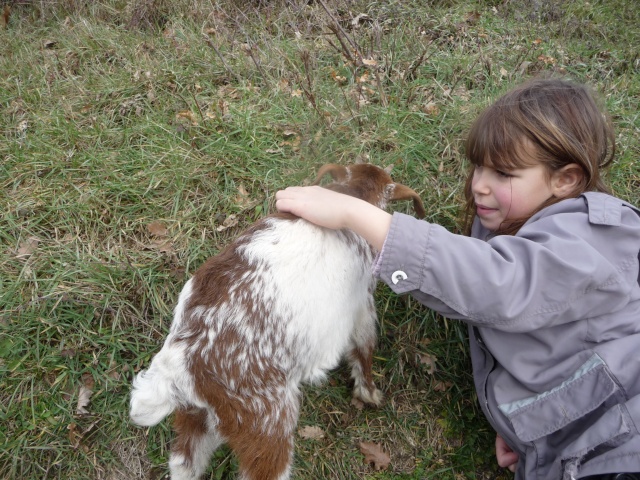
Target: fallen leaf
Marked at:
157, 229
74, 435
441, 386
68, 353
162, 245
22, 127
84, 395
547, 59
311, 433
472, 17
187, 115
431, 109
370, 62
230, 221
373, 453
28, 247
364, 78
361, 17
429, 361
339, 79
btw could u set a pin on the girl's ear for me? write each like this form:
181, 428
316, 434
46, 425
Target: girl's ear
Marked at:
565, 181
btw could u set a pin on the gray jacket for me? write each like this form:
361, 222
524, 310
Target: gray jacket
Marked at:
554, 327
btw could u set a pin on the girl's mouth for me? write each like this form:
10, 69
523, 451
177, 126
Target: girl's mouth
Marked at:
483, 210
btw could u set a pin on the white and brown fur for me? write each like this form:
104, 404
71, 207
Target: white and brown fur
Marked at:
281, 305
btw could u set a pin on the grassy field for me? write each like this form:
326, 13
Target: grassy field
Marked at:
138, 138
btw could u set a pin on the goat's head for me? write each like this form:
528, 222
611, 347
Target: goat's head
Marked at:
370, 183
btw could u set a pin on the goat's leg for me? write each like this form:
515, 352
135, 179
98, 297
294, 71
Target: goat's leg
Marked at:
265, 446
363, 341
265, 457
197, 437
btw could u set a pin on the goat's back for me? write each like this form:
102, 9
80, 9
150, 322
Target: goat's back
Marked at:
286, 291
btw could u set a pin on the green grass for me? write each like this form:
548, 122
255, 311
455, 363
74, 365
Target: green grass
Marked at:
114, 116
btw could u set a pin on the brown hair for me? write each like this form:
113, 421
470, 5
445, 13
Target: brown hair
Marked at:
562, 121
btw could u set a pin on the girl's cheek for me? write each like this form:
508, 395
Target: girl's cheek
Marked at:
503, 197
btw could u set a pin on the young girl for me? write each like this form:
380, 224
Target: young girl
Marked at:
548, 281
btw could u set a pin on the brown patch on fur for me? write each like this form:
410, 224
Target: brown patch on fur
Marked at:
190, 426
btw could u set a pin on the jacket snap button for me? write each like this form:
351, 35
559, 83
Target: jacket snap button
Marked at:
397, 276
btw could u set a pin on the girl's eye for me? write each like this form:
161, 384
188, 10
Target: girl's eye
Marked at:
503, 174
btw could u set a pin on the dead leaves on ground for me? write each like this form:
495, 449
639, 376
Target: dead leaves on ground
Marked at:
85, 393
27, 248
76, 432
375, 455
160, 240
311, 433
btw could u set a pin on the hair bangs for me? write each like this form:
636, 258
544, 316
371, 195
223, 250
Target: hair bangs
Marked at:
497, 141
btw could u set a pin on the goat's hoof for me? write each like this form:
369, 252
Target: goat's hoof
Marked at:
369, 396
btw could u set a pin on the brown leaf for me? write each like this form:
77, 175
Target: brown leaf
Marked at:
68, 353
187, 115
472, 17
373, 453
441, 386
431, 108
84, 395
157, 229
162, 245
74, 435
429, 361
360, 18
27, 247
311, 433
230, 221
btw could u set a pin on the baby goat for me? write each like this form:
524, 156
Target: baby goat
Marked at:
279, 306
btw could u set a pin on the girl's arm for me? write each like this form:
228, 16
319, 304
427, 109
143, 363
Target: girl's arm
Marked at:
330, 209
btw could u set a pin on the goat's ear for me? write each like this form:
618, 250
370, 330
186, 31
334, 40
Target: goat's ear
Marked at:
337, 172
388, 168
402, 192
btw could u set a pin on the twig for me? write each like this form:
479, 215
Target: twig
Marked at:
224, 63
255, 61
455, 84
420, 61
337, 28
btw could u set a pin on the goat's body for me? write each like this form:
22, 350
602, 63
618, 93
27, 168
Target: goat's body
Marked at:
281, 305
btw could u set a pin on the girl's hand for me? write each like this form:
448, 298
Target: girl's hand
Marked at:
330, 209
507, 458
315, 204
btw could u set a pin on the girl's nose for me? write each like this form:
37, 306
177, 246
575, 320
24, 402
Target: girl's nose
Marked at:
479, 182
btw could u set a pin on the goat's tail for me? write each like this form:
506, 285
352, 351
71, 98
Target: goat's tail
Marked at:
156, 392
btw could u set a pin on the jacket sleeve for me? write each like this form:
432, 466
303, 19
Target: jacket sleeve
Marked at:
547, 275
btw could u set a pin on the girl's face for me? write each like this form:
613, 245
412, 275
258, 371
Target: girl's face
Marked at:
508, 195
